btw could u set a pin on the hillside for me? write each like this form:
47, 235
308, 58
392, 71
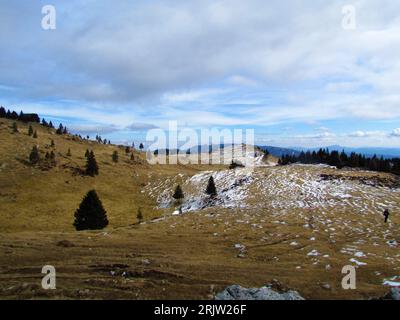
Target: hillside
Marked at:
298, 224
36, 199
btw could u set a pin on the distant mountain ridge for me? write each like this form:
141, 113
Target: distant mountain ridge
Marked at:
279, 152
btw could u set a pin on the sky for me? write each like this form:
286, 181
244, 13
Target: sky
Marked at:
294, 71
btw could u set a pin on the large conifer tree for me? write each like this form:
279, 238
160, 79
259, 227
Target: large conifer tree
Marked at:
90, 214
211, 189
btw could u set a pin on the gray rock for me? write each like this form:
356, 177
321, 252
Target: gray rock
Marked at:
237, 292
394, 294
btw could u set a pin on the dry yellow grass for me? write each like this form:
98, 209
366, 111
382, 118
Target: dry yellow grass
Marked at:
189, 256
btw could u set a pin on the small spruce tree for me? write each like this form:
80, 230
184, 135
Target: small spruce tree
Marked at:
92, 168
52, 144
14, 127
35, 134
178, 195
115, 156
90, 215
34, 156
139, 215
211, 189
30, 130
132, 157
53, 158
60, 129
87, 153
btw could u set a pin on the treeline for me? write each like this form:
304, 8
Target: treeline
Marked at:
31, 117
342, 159
25, 117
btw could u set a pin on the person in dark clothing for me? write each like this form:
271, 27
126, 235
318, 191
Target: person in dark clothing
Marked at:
386, 214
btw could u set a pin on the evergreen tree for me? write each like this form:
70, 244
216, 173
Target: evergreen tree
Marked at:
178, 195
141, 146
14, 127
115, 156
87, 153
30, 130
53, 158
90, 214
2, 112
211, 189
92, 168
132, 157
14, 115
139, 215
52, 144
51, 126
69, 152
35, 134
34, 156
60, 129
127, 149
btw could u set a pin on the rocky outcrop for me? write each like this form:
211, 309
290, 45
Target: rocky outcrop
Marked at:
237, 292
394, 294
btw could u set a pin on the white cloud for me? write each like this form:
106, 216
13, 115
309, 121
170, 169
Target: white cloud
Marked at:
395, 132
366, 134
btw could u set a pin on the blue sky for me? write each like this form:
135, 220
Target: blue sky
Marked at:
287, 69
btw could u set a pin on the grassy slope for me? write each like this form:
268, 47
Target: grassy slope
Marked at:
192, 256
34, 199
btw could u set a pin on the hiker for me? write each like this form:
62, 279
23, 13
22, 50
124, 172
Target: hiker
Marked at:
386, 214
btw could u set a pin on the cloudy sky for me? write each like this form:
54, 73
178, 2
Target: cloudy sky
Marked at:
287, 68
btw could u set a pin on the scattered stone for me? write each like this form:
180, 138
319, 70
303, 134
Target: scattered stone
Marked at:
146, 261
65, 244
237, 292
326, 286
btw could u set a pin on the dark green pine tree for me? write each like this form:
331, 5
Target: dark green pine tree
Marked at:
2, 112
60, 129
211, 189
30, 130
52, 157
139, 215
92, 168
14, 127
178, 195
90, 214
115, 156
34, 156
87, 153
